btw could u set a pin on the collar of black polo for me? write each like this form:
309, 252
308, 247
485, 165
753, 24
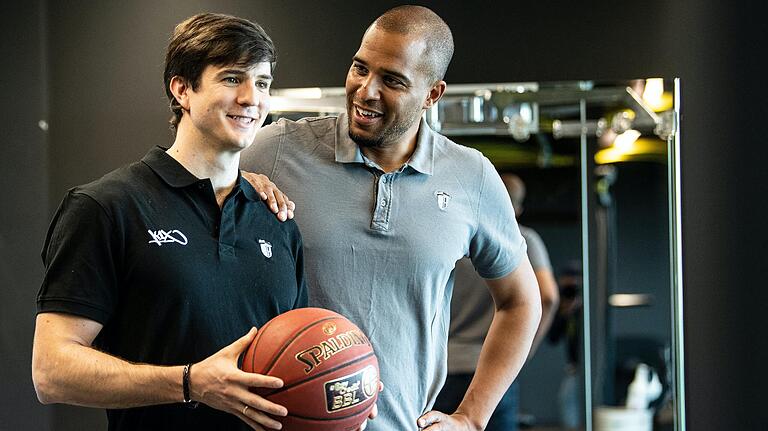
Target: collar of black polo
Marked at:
176, 175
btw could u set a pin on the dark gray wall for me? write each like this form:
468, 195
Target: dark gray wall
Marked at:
24, 214
107, 107
724, 234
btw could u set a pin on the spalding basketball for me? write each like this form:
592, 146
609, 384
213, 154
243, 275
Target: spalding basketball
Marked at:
329, 370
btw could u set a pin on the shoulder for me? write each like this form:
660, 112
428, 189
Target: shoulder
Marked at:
470, 160
97, 203
469, 166
289, 228
118, 183
285, 129
466, 165
116, 189
287, 142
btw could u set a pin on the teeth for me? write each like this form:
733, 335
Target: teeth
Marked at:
241, 119
367, 114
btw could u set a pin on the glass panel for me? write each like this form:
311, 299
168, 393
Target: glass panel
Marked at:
631, 340
599, 161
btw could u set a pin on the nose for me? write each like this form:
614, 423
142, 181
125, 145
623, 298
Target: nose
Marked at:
369, 88
247, 94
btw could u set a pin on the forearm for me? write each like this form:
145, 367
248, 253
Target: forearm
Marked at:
66, 369
503, 354
81, 375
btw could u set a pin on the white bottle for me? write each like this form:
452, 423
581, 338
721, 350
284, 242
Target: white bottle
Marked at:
637, 394
654, 389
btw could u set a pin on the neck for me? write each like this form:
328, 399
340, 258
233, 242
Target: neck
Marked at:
392, 156
206, 160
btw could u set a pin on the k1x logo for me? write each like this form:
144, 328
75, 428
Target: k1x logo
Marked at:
161, 237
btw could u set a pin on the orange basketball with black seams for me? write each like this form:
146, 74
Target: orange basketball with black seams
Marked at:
327, 364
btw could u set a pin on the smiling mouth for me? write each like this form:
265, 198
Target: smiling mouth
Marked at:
242, 120
364, 113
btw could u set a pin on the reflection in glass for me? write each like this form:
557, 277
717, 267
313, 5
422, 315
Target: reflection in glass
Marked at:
599, 162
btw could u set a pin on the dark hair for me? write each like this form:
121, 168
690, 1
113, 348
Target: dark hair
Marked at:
421, 21
212, 39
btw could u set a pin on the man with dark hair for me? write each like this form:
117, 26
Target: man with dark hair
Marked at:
387, 206
220, 43
157, 273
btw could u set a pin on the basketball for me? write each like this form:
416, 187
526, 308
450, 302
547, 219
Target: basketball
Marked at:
327, 364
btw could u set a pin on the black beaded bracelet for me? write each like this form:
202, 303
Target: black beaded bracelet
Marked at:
185, 387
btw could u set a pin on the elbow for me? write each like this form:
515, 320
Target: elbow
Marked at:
43, 385
44, 381
533, 311
43, 388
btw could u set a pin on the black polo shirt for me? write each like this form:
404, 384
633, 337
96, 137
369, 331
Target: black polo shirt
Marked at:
147, 252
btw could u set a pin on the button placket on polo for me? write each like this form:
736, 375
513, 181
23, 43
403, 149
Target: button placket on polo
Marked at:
207, 204
383, 207
226, 228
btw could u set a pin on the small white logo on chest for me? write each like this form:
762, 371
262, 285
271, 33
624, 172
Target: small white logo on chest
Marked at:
161, 237
442, 199
266, 248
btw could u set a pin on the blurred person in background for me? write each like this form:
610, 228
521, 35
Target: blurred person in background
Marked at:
472, 309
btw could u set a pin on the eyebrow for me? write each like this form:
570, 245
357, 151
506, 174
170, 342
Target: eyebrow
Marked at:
396, 74
236, 71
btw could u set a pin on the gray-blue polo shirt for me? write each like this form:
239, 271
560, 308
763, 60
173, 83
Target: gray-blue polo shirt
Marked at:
380, 248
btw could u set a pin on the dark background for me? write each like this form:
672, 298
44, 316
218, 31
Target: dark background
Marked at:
92, 71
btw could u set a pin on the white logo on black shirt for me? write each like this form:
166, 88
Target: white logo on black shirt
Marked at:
266, 248
161, 237
442, 199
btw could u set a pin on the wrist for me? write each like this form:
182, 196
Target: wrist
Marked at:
186, 387
470, 422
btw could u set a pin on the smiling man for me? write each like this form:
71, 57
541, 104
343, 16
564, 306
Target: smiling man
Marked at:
157, 272
387, 206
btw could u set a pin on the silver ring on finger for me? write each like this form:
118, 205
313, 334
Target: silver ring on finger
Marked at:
245, 409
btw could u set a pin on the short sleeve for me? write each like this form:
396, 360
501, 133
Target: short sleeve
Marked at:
80, 255
497, 246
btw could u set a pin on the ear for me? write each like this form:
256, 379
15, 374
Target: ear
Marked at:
435, 93
180, 90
